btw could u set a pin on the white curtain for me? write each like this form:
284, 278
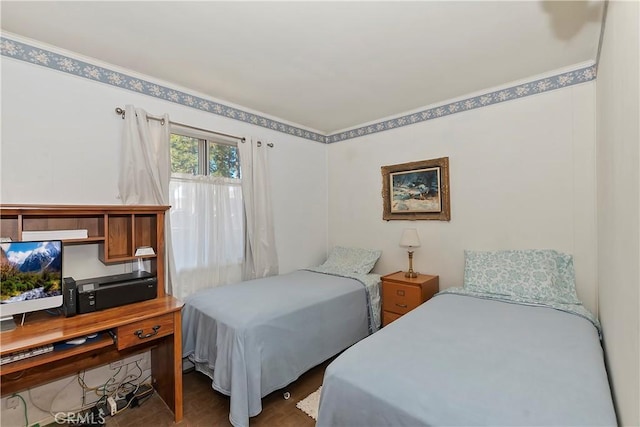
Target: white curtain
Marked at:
145, 162
206, 216
260, 256
145, 168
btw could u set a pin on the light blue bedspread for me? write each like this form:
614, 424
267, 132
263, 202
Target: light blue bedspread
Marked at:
577, 309
255, 337
371, 284
466, 361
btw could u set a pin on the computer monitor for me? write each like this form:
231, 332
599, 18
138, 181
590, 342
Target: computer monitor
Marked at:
30, 278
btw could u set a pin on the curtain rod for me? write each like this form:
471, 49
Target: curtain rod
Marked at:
121, 113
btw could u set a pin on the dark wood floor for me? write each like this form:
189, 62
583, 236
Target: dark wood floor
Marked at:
205, 407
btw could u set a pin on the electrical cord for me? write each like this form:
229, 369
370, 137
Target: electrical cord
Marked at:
128, 378
58, 413
104, 386
133, 398
102, 391
99, 390
110, 388
54, 312
112, 385
24, 404
50, 410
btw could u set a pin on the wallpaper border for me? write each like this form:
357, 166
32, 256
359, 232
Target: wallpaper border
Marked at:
535, 87
25, 52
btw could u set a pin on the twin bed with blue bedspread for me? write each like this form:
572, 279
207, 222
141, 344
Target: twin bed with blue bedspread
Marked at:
513, 347
258, 336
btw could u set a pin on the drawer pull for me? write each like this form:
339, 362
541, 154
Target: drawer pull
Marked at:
401, 305
139, 333
400, 293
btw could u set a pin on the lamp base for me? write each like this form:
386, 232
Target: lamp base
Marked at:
411, 274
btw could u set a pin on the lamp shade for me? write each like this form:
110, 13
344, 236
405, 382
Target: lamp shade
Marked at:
410, 238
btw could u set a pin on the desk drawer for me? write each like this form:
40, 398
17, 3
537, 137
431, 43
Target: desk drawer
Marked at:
144, 331
400, 299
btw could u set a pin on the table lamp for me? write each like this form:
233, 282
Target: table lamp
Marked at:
410, 240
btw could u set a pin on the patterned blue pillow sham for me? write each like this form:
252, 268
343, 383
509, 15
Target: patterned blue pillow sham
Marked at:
533, 274
351, 260
566, 279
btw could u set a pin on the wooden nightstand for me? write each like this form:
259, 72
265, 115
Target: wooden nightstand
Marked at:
402, 294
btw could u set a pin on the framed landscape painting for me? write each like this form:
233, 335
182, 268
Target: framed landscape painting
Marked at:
416, 190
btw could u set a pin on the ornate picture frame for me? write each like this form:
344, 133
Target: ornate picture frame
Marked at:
416, 190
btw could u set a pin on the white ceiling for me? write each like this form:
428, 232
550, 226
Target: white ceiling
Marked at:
327, 66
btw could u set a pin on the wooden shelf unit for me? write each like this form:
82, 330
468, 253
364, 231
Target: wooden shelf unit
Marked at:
127, 232
118, 231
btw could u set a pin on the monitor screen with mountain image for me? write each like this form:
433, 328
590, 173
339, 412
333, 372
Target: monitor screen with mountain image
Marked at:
31, 278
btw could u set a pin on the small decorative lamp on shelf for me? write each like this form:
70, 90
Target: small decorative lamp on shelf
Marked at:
410, 240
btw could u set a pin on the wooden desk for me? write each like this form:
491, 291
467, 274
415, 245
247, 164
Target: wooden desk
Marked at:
40, 329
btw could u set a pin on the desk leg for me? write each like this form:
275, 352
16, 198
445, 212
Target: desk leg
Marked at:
166, 365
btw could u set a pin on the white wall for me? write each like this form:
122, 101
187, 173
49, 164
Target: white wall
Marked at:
60, 138
618, 112
522, 175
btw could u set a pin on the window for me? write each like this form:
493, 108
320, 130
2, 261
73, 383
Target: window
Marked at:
207, 229
198, 156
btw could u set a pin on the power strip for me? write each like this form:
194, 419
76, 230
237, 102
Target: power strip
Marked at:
112, 406
115, 406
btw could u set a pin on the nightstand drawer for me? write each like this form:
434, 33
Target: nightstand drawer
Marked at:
145, 330
388, 317
399, 298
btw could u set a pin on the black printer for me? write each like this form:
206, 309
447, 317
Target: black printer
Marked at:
99, 293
